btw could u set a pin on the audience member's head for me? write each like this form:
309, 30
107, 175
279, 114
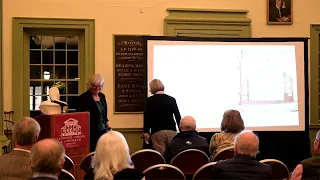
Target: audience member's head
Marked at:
232, 122
246, 143
25, 132
112, 155
47, 156
188, 123
156, 85
316, 144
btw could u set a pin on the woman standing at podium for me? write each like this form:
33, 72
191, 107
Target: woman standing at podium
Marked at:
94, 101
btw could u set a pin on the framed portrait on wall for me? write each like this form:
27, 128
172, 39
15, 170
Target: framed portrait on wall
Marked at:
279, 12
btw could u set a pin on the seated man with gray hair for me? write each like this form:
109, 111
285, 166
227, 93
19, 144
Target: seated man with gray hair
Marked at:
309, 168
16, 164
243, 165
47, 159
188, 138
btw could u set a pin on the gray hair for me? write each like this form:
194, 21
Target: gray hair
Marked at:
247, 143
47, 156
95, 79
155, 86
25, 131
112, 155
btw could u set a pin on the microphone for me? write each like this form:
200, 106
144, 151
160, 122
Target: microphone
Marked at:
61, 103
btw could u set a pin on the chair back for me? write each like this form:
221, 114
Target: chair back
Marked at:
5, 149
68, 163
85, 163
205, 172
145, 158
8, 119
163, 171
279, 169
223, 154
190, 160
66, 175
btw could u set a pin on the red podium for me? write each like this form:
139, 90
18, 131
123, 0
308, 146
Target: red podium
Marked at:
72, 130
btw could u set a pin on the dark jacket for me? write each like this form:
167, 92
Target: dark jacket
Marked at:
311, 168
241, 167
85, 102
158, 113
274, 13
183, 141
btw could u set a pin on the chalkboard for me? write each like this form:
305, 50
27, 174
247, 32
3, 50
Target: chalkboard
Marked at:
129, 74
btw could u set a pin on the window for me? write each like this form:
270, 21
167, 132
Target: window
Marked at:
54, 61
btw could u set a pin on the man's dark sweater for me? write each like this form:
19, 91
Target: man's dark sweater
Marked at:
183, 141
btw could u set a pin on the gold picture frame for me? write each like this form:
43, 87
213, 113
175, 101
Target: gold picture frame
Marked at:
279, 12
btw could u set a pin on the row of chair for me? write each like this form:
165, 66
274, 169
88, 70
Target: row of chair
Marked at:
167, 171
146, 158
193, 163
190, 162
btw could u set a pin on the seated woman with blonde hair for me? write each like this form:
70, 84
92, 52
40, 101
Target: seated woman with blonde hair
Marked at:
231, 125
112, 159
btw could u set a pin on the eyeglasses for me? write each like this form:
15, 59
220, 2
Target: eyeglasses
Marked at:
96, 86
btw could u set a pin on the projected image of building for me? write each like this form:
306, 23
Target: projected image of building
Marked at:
268, 88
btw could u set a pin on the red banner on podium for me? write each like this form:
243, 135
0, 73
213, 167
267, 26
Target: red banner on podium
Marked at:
72, 131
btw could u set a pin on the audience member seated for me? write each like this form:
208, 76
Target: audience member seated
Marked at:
243, 165
112, 159
16, 164
309, 168
188, 138
231, 125
47, 159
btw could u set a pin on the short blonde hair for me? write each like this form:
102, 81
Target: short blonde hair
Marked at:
155, 86
112, 155
94, 80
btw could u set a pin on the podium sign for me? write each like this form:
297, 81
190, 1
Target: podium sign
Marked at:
72, 130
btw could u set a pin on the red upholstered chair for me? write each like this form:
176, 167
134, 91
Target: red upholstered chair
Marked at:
145, 158
205, 172
190, 160
226, 153
279, 169
163, 171
85, 162
66, 175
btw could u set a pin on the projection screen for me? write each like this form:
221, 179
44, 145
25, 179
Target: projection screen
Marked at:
265, 79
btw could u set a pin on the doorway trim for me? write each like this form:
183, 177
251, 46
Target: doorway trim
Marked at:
20, 101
